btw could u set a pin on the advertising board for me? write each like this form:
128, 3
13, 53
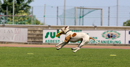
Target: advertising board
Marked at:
102, 36
13, 34
127, 36
107, 36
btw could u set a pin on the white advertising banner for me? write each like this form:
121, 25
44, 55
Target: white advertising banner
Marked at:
13, 34
107, 36
127, 36
49, 36
102, 36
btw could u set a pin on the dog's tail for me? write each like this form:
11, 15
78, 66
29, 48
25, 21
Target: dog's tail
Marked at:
93, 39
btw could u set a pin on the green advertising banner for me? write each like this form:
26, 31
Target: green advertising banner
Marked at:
49, 36
102, 36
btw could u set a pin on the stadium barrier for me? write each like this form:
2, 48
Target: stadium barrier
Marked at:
35, 33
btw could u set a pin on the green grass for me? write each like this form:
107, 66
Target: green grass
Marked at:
50, 57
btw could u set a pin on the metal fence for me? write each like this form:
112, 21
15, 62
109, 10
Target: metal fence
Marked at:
50, 15
54, 15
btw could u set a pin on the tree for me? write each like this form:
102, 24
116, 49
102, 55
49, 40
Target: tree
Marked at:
22, 7
35, 21
23, 18
42, 24
19, 5
0, 3
127, 23
38, 22
0, 7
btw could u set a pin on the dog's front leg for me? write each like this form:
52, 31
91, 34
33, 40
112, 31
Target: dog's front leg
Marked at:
67, 38
59, 44
63, 44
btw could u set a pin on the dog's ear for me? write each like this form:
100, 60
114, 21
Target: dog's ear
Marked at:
66, 27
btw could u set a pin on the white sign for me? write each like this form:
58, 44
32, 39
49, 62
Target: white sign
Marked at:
127, 37
49, 36
106, 36
102, 36
13, 34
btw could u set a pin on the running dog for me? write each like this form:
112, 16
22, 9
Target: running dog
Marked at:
73, 37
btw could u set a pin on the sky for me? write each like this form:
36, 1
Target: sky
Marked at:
51, 11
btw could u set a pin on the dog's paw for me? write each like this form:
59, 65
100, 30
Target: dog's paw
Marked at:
56, 45
72, 49
97, 42
57, 49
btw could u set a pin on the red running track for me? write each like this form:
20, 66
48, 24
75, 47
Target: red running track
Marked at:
66, 46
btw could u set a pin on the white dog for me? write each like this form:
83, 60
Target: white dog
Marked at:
73, 37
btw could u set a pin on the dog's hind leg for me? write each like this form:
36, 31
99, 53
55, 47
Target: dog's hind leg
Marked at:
78, 45
74, 48
77, 48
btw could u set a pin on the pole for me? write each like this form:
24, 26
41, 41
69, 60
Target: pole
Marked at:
44, 12
75, 15
13, 11
64, 10
32, 16
83, 17
101, 17
108, 16
129, 15
35, 19
6, 10
117, 12
80, 17
57, 15
6, 13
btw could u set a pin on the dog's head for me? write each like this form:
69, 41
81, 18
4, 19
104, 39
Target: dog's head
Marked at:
63, 30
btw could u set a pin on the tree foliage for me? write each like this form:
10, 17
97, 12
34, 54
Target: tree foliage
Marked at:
22, 7
0, 6
127, 23
0, 3
23, 18
19, 5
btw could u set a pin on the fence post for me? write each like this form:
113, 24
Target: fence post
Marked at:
32, 17
44, 12
57, 14
75, 15
108, 16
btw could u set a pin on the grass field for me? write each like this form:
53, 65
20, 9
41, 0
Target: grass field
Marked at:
50, 57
